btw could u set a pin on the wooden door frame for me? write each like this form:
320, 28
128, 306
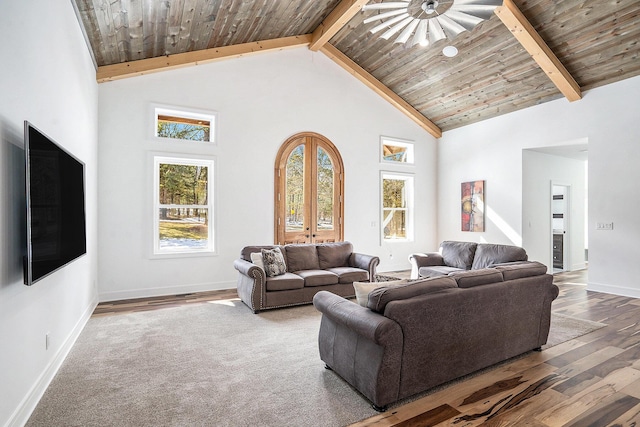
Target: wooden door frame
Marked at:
280, 181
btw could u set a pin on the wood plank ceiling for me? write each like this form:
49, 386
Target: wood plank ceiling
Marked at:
597, 42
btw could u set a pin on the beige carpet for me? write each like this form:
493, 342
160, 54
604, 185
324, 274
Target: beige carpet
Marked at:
214, 364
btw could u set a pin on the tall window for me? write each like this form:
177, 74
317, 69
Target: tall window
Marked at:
397, 206
183, 205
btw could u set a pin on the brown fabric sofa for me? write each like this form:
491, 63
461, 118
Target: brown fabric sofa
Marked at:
310, 268
418, 335
457, 256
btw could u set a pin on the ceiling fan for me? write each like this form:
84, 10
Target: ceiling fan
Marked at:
428, 21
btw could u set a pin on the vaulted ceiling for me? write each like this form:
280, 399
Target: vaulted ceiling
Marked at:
528, 52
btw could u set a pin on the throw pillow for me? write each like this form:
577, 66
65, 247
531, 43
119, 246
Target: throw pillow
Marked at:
364, 288
256, 258
273, 262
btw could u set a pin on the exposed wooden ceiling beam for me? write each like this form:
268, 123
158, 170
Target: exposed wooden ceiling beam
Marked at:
529, 38
361, 74
179, 60
337, 19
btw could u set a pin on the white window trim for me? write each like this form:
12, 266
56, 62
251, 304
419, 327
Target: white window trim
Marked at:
189, 113
385, 140
174, 158
409, 179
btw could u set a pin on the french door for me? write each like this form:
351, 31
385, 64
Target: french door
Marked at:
309, 184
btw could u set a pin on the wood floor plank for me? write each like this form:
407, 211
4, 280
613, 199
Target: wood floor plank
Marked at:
589, 398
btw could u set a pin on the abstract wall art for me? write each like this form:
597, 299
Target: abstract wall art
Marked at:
472, 203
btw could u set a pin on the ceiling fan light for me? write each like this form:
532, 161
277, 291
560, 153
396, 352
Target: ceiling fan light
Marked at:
450, 51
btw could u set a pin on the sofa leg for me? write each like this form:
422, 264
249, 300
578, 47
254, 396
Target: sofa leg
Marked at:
327, 367
379, 408
256, 311
537, 349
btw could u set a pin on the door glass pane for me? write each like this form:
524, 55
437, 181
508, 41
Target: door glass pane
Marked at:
325, 191
294, 193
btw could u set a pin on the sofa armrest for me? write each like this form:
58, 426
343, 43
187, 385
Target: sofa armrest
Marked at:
251, 284
361, 320
365, 262
428, 259
363, 347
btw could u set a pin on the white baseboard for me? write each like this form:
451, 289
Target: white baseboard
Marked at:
615, 290
22, 413
578, 266
168, 290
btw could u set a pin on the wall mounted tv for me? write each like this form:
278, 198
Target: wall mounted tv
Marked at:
56, 232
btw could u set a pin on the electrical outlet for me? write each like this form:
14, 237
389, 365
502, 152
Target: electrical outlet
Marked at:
604, 226
47, 341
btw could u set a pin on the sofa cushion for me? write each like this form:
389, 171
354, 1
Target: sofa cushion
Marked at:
334, 254
437, 271
471, 278
379, 298
285, 282
273, 262
350, 274
488, 254
256, 258
518, 271
317, 277
364, 288
302, 257
458, 254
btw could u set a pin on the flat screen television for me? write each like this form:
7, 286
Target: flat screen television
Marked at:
56, 231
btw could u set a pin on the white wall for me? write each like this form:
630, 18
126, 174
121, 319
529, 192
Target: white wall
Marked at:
539, 170
492, 150
48, 78
261, 101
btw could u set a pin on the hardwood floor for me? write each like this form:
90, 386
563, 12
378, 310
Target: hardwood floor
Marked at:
593, 380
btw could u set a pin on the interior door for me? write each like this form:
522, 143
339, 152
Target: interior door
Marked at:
308, 191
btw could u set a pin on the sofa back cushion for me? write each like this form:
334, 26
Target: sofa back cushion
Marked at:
331, 255
458, 254
302, 257
379, 298
471, 278
488, 254
525, 269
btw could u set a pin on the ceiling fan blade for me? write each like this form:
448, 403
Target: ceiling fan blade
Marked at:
406, 33
383, 5
391, 31
384, 15
478, 2
435, 31
478, 10
388, 23
450, 27
420, 37
464, 19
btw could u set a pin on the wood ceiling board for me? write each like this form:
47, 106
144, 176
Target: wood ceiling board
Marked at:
130, 30
526, 34
146, 66
370, 81
337, 19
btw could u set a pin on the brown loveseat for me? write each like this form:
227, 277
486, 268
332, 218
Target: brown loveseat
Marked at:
458, 256
310, 268
415, 336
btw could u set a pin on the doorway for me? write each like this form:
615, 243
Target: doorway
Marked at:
309, 187
560, 237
